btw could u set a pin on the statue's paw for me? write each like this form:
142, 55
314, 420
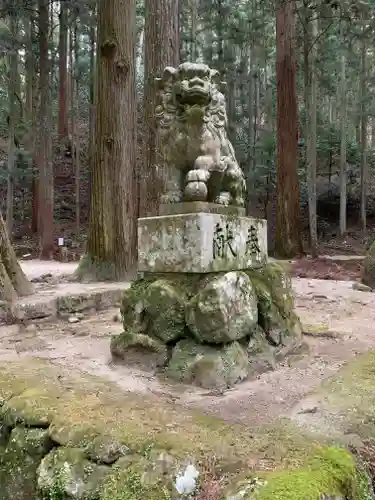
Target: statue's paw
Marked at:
224, 198
198, 175
196, 191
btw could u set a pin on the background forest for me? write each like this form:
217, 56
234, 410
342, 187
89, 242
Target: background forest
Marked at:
48, 69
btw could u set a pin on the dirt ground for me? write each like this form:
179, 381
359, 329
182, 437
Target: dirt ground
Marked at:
337, 319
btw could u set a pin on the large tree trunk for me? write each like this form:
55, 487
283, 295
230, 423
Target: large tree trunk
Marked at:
288, 238
63, 80
161, 50
111, 252
13, 282
44, 149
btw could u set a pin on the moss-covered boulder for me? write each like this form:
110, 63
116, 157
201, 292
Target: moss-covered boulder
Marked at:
165, 306
133, 307
261, 353
368, 269
19, 462
138, 347
277, 318
208, 366
224, 310
66, 473
254, 307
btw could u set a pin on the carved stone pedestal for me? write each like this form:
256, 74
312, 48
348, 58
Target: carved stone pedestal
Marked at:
201, 243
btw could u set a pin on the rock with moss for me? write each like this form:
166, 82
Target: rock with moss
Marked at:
105, 450
224, 310
139, 347
277, 318
19, 462
165, 306
133, 307
368, 268
66, 473
209, 367
261, 353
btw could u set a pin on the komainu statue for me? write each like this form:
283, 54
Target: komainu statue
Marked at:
195, 149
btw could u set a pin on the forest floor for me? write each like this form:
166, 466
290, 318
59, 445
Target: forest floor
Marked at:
338, 325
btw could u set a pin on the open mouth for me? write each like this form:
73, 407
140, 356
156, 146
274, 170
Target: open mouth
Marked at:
195, 95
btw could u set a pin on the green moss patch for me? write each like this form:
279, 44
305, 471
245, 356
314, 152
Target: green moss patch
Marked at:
331, 471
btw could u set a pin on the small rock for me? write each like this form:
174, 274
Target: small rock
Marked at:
105, 450
79, 315
361, 287
73, 319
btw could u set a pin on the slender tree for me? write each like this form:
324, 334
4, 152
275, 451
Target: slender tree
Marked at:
111, 252
12, 91
44, 146
343, 133
288, 238
161, 50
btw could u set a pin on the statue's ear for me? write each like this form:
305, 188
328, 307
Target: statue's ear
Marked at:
169, 73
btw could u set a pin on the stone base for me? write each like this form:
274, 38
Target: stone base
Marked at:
193, 207
201, 243
211, 330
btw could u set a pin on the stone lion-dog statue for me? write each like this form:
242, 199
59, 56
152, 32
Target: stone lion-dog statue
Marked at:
195, 150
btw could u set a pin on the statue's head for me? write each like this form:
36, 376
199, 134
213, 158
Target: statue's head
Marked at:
192, 91
194, 84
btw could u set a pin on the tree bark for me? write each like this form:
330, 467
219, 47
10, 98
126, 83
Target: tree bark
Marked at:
44, 148
111, 252
311, 139
30, 109
288, 237
363, 136
13, 74
63, 80
161, 50
75, 117
343, 173
13, 282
